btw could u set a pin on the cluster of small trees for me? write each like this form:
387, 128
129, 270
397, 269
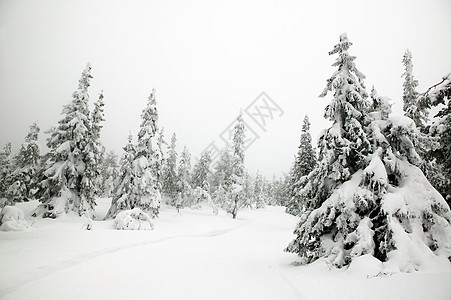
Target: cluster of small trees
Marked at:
77, 169
225, 183
68, 177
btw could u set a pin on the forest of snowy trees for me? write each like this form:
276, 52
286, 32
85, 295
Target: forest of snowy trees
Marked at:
374, 183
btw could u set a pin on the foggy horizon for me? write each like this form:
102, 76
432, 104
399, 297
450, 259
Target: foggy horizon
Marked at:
208, 62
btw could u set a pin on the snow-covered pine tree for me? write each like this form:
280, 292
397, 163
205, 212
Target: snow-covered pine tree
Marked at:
123, 194
344, 146
439, 95
258, 191
304, 163
413, 107
385, 207
220, 196
272, 187
237, 199
248, 190
94, 155
148, 161
62, 186
223, 171
417, 108
406, 216
184, 176
27, 164
110, 173
163, 146
5, 169
169, 174
342, 151
281, 190
201, 172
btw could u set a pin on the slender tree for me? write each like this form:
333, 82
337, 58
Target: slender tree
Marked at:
412, 106
170, 171
110, 173
237, 194
184, 174
304, 163
259, 191
123, 194
223, 171
94, 154
201, 172
148, 161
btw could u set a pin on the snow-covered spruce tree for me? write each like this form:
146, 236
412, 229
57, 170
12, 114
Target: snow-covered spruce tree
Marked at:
184, 176
141, 165
248, 190
281, 190
201, 172
258, 191
412, 106
169, 174
344, 146
386, 207
220, 196
27, 164
304, 163
409, 218
223, 171
237, 195
342, 149
110, 173
63, 185
94, 155
163, 145
123, 196
440, 95
417, 107
5, 169
272, 187
148, 162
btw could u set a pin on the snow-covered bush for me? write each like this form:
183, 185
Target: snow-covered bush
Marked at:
12, 219
203, 196
134, 219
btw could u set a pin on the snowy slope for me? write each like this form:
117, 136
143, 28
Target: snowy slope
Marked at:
193, 256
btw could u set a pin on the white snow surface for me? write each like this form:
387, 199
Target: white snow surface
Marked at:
195, 255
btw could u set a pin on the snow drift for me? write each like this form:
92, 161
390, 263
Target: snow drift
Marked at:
134, 219
12, 219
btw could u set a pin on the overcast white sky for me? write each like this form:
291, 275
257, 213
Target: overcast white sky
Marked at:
207, 60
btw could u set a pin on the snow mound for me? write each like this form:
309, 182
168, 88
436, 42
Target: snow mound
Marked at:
366, 265
12, 219
134, 219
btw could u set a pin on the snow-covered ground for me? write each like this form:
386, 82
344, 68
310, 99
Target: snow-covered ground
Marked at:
196, 255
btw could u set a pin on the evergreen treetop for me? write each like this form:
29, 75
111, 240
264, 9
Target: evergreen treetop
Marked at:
412, 106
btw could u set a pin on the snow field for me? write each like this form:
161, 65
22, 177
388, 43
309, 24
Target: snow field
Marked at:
195, 255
